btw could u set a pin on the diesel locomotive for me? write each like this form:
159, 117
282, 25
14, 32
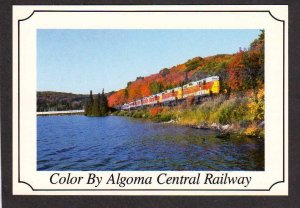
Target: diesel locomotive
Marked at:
197, 89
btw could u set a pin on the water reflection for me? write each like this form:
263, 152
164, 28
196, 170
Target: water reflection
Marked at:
120, 143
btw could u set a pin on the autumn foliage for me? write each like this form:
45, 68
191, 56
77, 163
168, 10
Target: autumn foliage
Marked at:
246, 68
238, 72
235, 71
154, 111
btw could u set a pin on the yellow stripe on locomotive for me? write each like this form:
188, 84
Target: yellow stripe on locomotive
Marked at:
216, 85
178, 93
159, 95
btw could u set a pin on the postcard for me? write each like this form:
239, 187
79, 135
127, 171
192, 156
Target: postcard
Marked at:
150, 100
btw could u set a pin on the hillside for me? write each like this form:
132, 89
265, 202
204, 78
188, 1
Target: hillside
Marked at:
239, 72
58, 101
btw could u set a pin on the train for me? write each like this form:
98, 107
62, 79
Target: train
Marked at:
197, 89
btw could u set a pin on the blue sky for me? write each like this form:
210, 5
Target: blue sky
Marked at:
81, 60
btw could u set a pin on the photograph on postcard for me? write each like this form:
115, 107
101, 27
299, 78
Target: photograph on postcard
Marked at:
117, 100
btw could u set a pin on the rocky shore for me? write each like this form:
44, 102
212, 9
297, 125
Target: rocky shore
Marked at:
227, 128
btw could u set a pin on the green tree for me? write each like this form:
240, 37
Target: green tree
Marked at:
169, 86
186, 77
126, 94
192, 64
156, 87
96, 106
89, 105
253, 60
103, 105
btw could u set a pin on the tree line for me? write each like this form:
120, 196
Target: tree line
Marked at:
59, 101
96, 106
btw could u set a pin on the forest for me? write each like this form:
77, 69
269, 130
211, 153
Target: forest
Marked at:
239, 73
59, 101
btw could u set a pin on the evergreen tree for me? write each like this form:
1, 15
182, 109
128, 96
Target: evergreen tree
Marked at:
103, 103
186, 78
89, 105
97, 106
126, 93
91, 97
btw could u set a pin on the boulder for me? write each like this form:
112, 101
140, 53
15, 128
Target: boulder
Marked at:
215, 126
203, 126
171, 121
227, 127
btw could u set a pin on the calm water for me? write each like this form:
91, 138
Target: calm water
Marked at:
119, 143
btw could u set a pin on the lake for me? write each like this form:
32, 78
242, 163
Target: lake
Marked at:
77, 142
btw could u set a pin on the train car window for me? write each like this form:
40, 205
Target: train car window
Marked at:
204, 82
173, 91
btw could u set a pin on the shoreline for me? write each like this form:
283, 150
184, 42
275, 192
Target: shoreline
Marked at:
226, 130
236, 115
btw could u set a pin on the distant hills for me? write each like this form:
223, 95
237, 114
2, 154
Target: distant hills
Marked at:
58, 101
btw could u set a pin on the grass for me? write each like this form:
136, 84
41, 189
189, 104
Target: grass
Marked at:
238, 112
